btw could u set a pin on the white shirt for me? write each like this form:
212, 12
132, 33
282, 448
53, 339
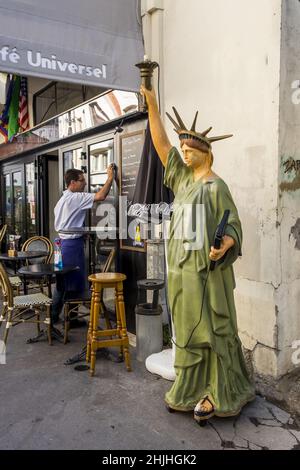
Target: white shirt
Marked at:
70, 211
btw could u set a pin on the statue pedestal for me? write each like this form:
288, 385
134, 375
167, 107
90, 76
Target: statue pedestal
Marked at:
162, 364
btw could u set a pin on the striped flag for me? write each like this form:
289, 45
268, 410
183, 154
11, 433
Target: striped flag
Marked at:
23, 106
13, 112
4, 116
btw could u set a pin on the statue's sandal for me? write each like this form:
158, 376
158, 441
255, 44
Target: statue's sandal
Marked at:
202, 416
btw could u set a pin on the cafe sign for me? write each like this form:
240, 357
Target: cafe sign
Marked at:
69, 41
34, 59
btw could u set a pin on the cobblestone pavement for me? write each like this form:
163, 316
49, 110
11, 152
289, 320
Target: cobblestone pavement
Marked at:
47, 405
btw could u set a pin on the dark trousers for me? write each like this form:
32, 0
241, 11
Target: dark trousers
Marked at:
71, 285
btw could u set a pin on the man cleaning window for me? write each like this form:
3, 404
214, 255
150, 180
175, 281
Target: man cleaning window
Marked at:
70, 211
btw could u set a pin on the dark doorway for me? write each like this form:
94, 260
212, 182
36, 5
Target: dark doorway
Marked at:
29, 191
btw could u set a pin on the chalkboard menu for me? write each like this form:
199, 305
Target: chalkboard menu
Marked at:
131, 151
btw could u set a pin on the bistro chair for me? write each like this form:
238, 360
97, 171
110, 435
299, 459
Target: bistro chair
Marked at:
23, 308
39, 243
72, 305
36, 243
2, 232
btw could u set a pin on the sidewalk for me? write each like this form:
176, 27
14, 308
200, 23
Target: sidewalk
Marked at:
47, 405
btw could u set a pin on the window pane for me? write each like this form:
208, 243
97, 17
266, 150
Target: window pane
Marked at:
30, 201
45, 105
73, 159
101, 155
92, 91
68, 95
61, 96
7, 202
18, 199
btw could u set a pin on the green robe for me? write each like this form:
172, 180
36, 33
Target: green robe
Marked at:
212, 363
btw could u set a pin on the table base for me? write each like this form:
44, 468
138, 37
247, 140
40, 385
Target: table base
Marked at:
103, 352
55, 334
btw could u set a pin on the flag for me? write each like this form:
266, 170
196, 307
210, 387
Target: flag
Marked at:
23, 106
15, 117
13, 112
4, 115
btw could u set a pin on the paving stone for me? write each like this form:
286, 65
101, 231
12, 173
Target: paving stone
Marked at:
225, 427
295, 433
254, 447
240, 442
280, 414
258, 409
269, 422
275, 438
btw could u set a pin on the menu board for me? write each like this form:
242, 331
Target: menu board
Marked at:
131, 151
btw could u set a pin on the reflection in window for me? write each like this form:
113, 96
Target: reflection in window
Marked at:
30, 200
58, 97
17, 202
7, 202
101, 155
73, 159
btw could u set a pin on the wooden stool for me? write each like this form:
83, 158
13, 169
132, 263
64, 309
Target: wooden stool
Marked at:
96, 338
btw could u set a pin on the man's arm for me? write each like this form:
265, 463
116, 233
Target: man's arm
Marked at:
103, 192
159, 136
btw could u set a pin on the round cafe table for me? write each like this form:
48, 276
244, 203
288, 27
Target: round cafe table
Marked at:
45, 270
22, 256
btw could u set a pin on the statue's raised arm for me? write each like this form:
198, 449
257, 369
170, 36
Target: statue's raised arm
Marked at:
158, 133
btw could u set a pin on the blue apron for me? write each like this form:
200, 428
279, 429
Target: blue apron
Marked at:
73, 254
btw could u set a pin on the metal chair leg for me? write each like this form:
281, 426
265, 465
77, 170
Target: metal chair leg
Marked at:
66, 323
8, 324
38, 321
49, 326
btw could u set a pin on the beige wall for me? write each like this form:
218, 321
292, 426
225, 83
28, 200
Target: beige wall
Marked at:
288, 293
223, 58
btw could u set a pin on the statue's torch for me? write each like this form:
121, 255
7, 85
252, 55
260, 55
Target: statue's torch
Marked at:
146, 70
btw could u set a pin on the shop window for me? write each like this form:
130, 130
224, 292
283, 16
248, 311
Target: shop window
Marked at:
18, 202
30, 188
7, 202
73, 158
58, 97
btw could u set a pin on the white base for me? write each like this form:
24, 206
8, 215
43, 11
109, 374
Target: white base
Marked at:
162, 364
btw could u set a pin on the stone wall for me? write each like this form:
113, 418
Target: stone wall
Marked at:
288, 292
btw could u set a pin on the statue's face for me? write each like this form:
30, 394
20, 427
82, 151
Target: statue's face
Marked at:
192, 157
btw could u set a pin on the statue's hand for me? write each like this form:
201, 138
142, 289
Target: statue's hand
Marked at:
216, 254
149, 95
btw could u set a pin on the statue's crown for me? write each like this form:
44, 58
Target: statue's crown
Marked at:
191, 133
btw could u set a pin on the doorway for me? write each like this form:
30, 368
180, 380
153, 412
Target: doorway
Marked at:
19, 198
30, 190
49, 191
